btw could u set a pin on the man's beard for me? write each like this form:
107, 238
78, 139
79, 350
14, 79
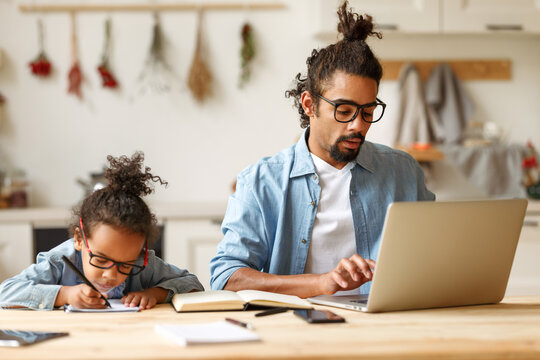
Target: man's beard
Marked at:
348, 154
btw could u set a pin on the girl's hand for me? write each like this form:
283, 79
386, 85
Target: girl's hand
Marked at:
146, 299
81, 296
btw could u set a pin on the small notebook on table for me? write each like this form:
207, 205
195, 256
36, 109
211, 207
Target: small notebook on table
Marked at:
206, 333
218, 300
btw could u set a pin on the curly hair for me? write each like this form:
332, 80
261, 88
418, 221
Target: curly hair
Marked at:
119, 204
351, 55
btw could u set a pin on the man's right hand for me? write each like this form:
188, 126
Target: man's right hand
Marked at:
349, 274
81, 296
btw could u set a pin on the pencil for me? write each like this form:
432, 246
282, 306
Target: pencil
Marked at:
83, 278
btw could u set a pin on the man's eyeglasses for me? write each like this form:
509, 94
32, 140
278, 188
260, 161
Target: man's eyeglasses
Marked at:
347, 111
103, 262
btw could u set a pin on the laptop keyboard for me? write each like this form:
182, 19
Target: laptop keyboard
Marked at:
364, 301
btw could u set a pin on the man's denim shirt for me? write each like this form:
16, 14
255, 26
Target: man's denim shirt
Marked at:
269, 219
37, 286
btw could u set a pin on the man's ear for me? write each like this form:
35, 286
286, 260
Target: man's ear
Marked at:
78, 240
307, 103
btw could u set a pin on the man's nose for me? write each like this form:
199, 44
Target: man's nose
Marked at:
357, 124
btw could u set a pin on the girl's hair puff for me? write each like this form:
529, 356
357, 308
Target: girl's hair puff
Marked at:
120, 203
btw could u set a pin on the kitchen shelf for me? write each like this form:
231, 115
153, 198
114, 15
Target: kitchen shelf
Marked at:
149, 7
425, 155
500, 69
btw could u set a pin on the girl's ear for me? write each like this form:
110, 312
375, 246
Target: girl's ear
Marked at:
78, 240
307, 103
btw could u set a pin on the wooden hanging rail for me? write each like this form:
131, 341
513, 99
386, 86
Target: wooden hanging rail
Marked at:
464, 69
148, 7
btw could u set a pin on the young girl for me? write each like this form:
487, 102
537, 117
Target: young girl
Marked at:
111, 232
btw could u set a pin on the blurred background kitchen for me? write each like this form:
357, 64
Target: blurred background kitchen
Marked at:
202, 95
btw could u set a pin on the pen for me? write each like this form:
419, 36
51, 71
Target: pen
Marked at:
83, 278
276, 310
239, 323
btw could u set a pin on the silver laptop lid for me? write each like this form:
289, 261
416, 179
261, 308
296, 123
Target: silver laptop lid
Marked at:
438, 254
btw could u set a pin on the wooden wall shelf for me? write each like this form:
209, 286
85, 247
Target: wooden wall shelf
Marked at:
149, 7
427, 155
464, 69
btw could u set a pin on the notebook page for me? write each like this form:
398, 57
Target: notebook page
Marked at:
116, 306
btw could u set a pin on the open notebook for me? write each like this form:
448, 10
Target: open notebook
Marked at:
116, 306
215, 300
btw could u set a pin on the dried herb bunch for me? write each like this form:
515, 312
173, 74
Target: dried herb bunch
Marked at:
247, 54
200, 78
156, 74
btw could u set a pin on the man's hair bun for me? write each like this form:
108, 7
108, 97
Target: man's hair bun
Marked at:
355, 27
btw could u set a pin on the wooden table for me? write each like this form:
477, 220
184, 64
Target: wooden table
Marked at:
510, 329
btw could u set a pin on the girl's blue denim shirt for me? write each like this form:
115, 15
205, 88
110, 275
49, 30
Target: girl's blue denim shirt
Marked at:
37, 286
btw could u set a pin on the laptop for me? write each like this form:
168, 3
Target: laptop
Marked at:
441, 254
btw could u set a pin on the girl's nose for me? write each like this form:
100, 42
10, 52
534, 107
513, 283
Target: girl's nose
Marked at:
111, 273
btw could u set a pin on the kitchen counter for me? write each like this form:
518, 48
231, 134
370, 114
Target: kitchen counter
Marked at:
52, 216
197, 210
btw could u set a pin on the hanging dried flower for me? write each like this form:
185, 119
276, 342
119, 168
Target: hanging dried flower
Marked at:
247, 53
75, 80
107, 78
41, 66
156, 74
75, 75
200, 78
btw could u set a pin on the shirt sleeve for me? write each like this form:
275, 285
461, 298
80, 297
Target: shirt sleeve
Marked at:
159, 273
34, 288
245, 242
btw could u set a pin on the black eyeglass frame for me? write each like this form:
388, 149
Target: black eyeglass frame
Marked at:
134, 268
358, 107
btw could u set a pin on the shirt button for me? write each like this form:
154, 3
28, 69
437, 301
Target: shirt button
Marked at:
41, 306
313, 203
314, 177
304, 241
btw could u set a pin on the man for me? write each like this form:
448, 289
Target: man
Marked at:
308, 221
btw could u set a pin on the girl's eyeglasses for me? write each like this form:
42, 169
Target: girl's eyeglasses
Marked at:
103, 262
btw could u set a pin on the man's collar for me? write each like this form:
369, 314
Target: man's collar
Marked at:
303, 162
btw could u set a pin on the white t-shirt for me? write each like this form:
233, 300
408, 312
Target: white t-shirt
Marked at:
333, 235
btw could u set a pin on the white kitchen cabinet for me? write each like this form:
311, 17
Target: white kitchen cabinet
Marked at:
191, 244
525, 274
434, 16
16, 248
394, 15
476, 16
